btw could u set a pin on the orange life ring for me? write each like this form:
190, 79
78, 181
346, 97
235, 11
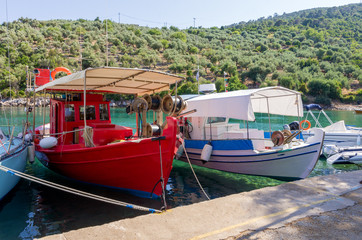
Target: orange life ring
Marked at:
59, 69
305, 121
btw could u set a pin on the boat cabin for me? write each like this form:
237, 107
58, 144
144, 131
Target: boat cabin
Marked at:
219, 128
67, 119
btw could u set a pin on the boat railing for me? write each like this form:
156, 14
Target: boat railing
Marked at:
309, 109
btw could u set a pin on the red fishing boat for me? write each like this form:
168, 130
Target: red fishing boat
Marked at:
87, 146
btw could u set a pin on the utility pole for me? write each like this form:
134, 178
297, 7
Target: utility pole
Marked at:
80, 50
107, 41
119, 18
194, 22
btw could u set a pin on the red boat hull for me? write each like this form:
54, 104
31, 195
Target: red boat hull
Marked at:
132, 165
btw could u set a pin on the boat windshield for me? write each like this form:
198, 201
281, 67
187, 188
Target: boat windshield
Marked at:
216, 120
91, 112
69, 113
103, 112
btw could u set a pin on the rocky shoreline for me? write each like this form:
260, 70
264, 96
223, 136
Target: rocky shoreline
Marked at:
21, 102
41, 101
343, 106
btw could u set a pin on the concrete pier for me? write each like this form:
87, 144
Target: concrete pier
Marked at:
314, 208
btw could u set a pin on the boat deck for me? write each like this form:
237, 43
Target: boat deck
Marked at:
248, 213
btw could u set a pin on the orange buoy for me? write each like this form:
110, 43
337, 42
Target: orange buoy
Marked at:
305, 121
59, 69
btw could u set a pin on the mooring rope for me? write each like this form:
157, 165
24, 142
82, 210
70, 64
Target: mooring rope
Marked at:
192, 169
75, 191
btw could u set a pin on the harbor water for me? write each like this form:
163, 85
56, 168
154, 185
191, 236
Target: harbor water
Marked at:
32, 210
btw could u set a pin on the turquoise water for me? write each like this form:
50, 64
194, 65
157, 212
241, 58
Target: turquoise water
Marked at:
32, 210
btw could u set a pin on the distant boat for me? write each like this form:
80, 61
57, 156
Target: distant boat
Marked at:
344, 155
337, 133
212, 141
14, 158
358, 111
88, 147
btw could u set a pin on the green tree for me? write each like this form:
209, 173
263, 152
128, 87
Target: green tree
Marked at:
235, 84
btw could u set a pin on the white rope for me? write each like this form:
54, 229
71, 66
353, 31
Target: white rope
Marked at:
62, 133
192, 169
75, 191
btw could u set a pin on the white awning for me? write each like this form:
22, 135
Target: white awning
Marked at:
242, 104
114, 80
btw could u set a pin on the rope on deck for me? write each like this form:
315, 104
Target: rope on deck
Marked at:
75, 191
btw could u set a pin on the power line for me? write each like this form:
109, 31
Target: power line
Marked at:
139, 19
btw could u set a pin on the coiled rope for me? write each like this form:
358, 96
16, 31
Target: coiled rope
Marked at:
192, 169
75, 191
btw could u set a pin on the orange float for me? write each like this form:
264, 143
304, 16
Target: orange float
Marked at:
305, 121
59, 69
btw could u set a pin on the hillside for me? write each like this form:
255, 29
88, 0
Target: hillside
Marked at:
316, 51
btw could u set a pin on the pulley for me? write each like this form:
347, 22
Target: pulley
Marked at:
174, 106
139, 104
153, 130
167, 104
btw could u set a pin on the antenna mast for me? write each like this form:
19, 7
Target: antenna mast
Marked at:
7, 29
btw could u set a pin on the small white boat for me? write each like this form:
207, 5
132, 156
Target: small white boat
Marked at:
337, 133
14, 158
212, 141
343, 154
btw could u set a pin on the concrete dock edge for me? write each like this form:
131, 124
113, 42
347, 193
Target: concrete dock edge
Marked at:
238, 215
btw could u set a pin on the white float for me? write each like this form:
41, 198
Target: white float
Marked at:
206, 152
48, 142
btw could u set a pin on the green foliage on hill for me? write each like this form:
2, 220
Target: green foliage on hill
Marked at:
317, 51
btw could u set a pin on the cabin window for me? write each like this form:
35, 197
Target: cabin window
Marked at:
69, 113
216, 120
103, 112
90, 112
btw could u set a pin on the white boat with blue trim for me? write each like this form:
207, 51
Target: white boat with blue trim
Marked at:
13, 157
211, 140
337, 133
343, 155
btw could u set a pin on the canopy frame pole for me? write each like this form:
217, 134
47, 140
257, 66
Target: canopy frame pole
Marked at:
34, 106
299, 117
247, 130
267, 103
27, 103
329, 120
85, 102
43, 111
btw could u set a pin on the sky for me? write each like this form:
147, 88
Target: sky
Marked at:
159, 13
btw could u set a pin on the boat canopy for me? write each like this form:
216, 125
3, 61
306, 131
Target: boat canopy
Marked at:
114, 80
242, 104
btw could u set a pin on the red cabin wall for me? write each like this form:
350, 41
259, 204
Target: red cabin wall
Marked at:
57, 117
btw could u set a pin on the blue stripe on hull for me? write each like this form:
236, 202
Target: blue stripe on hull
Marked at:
238, 144
133, 192
254, 161
259, 154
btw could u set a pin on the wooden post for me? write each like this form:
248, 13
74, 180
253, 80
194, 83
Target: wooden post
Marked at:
34, 111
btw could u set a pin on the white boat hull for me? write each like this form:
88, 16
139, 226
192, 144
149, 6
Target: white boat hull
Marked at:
345, 155
16, 161
339, 139
289, 164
